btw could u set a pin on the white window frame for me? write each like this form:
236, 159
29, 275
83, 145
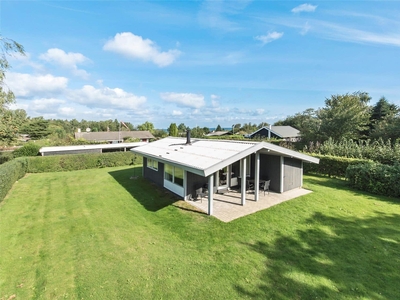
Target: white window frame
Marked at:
152, 164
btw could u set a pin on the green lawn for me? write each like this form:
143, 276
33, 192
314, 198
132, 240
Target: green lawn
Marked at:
97, 234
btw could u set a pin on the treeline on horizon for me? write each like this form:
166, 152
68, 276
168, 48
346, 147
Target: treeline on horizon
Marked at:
347, 116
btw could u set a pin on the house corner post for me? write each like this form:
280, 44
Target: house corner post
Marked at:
257, 177
210, 194
243, 182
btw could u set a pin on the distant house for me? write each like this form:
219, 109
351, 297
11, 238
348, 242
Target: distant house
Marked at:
113, 137
287, 133
218, 133
183, 166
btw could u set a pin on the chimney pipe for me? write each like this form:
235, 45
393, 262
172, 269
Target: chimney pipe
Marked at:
269, 131
188, 142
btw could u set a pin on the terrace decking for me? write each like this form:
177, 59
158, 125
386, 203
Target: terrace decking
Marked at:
227, 206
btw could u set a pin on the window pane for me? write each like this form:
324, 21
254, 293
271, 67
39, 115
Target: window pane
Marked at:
168, 172
178, 176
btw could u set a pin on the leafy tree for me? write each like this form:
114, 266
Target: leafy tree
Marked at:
249, 128
345, 116
197, 132
182, 128
159, 133
307, 122
146, 126
8, 125
383, 108
387, 128
37, 128
173, 130
262, 124
206, 130
218, 128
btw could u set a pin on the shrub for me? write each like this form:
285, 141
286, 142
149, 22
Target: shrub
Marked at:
5, 156
331, 165
375, 178
379, 150
10, 172
57, 163
29, 149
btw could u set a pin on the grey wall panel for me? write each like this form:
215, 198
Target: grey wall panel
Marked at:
292, 174
153, 175
194, 182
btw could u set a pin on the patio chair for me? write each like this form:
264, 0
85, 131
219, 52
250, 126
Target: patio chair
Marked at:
249, 186
266, 186
200, 193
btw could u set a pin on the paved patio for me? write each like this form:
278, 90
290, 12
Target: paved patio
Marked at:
227, 207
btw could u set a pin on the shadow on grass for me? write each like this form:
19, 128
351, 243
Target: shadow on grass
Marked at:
336, 258
148, 194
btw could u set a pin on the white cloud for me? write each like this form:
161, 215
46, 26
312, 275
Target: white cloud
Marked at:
304, 8
184, 99
305, 29
271, 36
67, 60
214, 101
27, 85
45, 104
339, 32
106, 97
176, 113
135, 47
67, 111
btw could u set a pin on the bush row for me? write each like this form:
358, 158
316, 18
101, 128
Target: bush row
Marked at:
29, 149
13, 170
59, 163
331, 165
5, 156
375, 178
385, 152
10, 172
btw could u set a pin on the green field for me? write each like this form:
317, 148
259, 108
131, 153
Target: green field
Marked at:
98, 234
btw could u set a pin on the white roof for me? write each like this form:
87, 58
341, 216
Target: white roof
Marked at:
89, 147
205, 157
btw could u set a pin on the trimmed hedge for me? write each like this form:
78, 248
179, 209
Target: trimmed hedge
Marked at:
13, 170
29, 149
333, 166
60, 163
375, 178
6, 156
10, 172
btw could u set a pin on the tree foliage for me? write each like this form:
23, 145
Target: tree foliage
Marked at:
146, 126
37, 128
8, 123
345, 116
173, 129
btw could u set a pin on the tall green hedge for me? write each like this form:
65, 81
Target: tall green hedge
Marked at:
375, 178
10, 172
59, 163
331, 165
13, 170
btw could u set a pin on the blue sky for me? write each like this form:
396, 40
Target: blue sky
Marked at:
202, 63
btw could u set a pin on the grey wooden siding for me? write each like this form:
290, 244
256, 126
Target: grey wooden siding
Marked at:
194, 182
270, 169
153, 175
292, 174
